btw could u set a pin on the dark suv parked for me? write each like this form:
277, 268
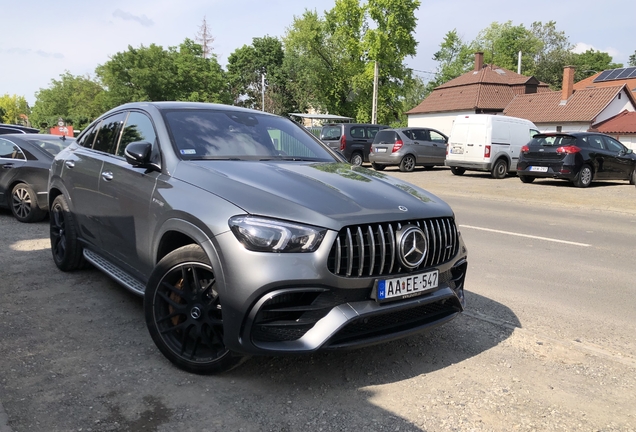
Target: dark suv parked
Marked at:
353, 140
247, 235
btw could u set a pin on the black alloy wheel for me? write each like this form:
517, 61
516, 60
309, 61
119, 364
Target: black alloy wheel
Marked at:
67, 251
407, 164
377, 166
500, 169
184, 314
458, 170
526, 179
584, 178
24, 204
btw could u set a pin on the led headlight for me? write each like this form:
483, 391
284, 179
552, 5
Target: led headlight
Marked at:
272, 235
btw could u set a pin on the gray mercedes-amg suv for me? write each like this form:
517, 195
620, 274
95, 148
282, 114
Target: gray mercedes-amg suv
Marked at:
246, 235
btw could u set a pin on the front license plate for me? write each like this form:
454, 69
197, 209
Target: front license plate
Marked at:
406, 286
380, 150
539, 169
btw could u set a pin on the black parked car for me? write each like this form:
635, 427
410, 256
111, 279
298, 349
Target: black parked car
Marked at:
25, 160
353, 140
579, 157
13, 129
247, 235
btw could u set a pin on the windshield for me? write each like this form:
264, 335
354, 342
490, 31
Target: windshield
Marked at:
209, 134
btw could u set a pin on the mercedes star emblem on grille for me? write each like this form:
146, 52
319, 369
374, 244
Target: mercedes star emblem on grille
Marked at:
412, 246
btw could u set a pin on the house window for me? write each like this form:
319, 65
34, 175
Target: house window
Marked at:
559, 128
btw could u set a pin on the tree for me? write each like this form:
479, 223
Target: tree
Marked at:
454, 59
632, 59
14, 109
77, 99
590, 62
330, 61
156, 74
205, 38
249, 65
501, 44
554, 54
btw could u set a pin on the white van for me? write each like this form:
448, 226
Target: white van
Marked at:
484, 142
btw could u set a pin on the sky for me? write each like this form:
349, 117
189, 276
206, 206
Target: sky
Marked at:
44, 40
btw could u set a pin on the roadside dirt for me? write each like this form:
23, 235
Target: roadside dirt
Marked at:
75, 355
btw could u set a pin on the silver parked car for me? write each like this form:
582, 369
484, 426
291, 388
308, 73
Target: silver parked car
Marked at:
247, 235
408, 148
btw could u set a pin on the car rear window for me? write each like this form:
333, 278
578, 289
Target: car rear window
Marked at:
385, 136
553, 140
330, 133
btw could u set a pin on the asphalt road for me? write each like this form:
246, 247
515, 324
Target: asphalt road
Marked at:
547, 341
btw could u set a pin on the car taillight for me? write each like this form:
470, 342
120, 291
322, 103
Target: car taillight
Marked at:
343, 141
398, 145
568, 149
525, 149
487, 151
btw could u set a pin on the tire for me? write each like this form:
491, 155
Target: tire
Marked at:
458, 170
24, 204
184, 315
67, 251
500, 169
526, 179
408, 163
378, 167
356, 159
584, 177
632, 178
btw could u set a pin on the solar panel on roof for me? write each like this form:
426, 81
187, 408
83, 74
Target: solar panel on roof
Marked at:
625, 72
614, 74
602, 76
633, 74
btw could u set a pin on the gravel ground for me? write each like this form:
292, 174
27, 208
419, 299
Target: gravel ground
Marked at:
76, 356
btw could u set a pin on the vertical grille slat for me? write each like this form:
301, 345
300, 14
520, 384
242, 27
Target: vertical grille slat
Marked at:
371, 250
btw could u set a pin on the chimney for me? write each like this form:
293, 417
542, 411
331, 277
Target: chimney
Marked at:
479, 61
568, 82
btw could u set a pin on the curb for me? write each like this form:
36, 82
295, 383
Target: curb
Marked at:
4, 421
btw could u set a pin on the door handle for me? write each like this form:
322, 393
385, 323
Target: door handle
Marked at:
70, 164
107, 175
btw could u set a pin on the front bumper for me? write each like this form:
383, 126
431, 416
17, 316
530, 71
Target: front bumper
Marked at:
291, 303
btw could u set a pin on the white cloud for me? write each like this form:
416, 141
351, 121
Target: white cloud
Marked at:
581, 47
127, 16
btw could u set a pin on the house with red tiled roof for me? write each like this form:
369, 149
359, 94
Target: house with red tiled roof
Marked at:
487, 89
570, 111
622, 127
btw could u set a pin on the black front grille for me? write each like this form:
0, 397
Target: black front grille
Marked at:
371, 250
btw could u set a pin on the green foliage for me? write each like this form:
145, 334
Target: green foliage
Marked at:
330, 61
501, 44
76, 99
245, 70
155, 74
454, 59
591, 62
13, 109
554, 54
632, 59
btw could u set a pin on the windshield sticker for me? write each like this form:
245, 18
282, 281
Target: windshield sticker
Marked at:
188, 151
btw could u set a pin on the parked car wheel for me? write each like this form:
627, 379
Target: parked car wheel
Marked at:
184, 315
458, 170
408, 163
584, 177
67, 251
377, 166
500, 169
356, 159
632, 178
24, 204
526, 179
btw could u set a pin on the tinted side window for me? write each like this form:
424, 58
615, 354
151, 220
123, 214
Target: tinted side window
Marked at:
357, 132
419, 135
372, 131
108, 134
409, 134
8, 150
138, 128
87, 139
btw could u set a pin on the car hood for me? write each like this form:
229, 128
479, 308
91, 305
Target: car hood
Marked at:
330, 195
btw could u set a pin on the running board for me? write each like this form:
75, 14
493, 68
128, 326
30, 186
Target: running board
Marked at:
120, 276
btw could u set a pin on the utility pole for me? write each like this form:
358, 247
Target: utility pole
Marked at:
374, 109
263, 91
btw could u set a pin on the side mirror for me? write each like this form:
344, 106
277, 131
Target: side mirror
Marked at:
138, 153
